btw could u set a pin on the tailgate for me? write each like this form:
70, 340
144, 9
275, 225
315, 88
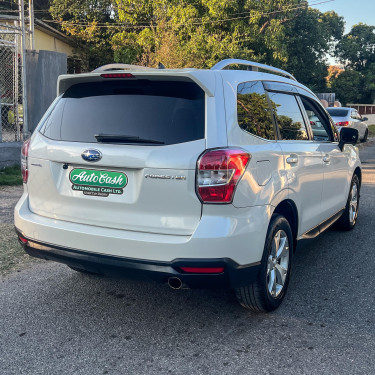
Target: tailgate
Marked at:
148, 136
153, 199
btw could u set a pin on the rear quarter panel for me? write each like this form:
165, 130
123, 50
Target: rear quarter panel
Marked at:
264, 181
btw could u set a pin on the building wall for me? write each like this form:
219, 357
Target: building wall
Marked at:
44, 40
48, 42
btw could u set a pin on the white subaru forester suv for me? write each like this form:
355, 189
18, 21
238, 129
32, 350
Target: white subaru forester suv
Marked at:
195, 178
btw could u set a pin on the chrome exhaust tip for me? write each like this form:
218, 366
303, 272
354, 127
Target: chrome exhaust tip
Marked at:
175, 283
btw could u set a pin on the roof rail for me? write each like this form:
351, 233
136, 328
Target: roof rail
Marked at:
109, 67
224, 63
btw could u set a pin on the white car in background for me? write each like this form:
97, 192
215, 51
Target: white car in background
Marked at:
349, 117
195, 178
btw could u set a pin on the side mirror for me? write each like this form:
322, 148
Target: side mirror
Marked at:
365, 118
348, 136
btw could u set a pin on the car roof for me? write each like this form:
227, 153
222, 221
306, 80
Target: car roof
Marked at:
205, 78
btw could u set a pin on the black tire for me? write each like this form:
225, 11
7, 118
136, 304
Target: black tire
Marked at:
256, 296
364, 139
83, 271
346, 221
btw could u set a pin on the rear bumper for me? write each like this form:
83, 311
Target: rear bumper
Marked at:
226, 236
224, 231
234, 275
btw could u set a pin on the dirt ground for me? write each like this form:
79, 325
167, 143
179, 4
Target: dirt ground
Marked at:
9, 196
12, 256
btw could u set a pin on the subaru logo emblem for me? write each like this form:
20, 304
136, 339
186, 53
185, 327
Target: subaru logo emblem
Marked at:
91, 155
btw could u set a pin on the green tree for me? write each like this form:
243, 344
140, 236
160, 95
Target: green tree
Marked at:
198, 33
310, 38
90, 23
180, 34
356, 50
347, 87
283, 33
370, 83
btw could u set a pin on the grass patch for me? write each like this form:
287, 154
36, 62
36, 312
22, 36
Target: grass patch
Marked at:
12, 256
10, 176
371, 131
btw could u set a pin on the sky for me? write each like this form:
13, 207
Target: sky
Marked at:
353, 11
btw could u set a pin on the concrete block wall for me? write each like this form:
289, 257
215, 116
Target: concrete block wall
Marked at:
10, 154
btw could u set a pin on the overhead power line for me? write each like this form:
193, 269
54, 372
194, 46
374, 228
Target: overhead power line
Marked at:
231, 17
130, 26
116, 7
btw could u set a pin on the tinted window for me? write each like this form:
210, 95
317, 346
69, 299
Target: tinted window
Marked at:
318, 123
288, 115
338, 112
168, 112
253, 111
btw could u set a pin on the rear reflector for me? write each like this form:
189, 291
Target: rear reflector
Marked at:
344, 123
117, 75
203, 269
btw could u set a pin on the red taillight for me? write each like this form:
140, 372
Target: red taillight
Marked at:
343, 123
22, 239
117, 75
203, 269
24, 155
218, 174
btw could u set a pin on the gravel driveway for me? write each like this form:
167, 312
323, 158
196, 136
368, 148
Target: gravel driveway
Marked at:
56, 321
9, 196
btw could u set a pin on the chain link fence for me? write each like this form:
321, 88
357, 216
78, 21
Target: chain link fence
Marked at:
11, 125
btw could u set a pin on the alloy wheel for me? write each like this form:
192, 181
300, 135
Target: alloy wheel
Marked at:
353, 209
278, 264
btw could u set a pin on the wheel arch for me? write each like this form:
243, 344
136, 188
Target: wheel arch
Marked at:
288, 209
358, 172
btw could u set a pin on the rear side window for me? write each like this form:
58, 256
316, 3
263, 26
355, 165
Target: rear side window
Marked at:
253, 110
288, 116
164, 111
337, 112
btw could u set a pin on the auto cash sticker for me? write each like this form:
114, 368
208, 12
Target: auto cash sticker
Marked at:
97, 183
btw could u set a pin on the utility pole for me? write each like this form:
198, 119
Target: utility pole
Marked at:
23, 59
31, 24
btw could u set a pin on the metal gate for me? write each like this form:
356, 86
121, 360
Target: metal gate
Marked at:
10, 84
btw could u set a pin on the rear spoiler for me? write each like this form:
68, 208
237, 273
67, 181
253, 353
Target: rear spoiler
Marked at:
205, 79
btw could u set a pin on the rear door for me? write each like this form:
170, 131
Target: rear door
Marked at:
302, 157
335, 162
146, 137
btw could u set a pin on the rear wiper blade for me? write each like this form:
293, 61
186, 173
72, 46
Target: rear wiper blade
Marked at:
115, 138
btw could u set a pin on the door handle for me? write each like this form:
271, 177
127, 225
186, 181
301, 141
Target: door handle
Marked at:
326, 158
292, 159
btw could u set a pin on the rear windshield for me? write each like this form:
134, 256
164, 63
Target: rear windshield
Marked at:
166, 112
338, 112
